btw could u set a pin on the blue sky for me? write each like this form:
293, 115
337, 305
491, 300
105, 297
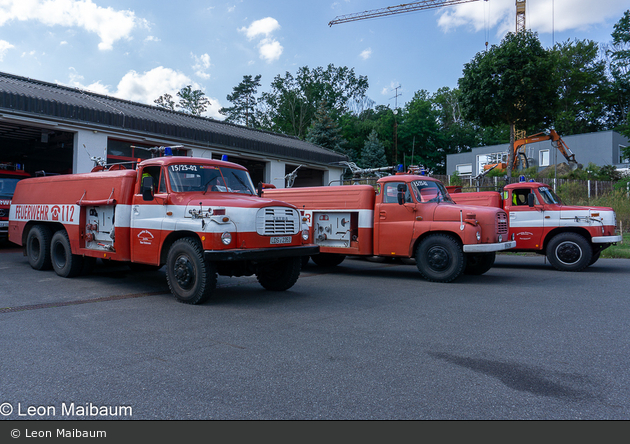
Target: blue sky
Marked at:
138, 50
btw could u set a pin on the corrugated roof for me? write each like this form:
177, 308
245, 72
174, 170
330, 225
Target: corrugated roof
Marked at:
38, 98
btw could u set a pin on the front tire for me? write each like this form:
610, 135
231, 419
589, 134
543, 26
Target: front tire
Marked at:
191, 279
38, 247
280, 275
478, 264
440, 258
63, 261
569, 252
328, 259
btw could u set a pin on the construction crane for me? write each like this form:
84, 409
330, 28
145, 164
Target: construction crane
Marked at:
391, 10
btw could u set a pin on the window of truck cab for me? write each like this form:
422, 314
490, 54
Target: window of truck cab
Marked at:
209, 178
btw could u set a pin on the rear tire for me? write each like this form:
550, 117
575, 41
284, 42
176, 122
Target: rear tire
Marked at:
440, 258
38, 247
569, 252
328, 259
63, 261
280, 275
478, 264
191, 279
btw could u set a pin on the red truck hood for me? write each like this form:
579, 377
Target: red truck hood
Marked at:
579, 208
451, 212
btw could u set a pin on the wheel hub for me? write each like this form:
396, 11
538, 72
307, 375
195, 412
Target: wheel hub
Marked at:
184, 272
569, 252
438, 258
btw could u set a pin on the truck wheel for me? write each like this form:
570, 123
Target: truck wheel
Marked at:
328, 259
569, 252
440, 258
191, 279
279, 275
478, 264
38, 247
63, 261
595, 257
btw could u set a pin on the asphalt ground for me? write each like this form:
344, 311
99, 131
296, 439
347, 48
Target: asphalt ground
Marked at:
366, 340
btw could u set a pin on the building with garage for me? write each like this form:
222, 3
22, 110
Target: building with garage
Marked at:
47, 128
600, 148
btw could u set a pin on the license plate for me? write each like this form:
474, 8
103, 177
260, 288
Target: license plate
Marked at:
4, 224
281, 240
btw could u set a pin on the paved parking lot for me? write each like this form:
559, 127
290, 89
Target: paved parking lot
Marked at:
364, 340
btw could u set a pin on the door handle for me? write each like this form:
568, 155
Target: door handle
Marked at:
383, 215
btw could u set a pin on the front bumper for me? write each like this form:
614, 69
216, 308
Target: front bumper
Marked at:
260, 254
606, 239
488, 248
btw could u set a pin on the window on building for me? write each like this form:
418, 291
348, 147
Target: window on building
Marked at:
622, 156
543, 158
464, 169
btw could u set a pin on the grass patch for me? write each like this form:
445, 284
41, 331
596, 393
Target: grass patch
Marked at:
621, 250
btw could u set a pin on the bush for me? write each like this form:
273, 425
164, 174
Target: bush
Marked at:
455, 179
572, 192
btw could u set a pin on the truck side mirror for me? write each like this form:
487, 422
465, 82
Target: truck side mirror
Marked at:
402, 189
147, 188
530, 199
259, 189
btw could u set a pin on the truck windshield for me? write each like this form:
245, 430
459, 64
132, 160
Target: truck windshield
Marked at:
548, 196
204, 178
7, 185
429, 191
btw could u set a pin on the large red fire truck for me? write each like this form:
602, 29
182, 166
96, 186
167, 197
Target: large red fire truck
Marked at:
405, 216
10, 175
198, 217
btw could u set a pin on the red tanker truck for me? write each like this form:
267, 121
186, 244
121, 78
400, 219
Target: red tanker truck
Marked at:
572, 237
198, 217
405, 216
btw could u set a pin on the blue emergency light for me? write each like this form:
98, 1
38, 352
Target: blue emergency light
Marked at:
521, 178
400, 168
168, 151
224, 157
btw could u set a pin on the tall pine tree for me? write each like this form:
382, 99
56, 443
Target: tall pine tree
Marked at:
373, 152
244, 102
325, 132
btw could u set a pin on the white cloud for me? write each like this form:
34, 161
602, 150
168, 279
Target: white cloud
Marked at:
110, 25
261, 27
542, 17
202, 63
366, 53
146, 87
151, 38
4, 47
270, 50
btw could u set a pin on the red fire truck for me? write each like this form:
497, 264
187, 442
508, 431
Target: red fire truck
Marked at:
198, 217
572, 237
10, 175
405, 216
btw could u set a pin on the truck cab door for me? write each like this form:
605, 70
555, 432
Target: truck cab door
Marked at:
394, 222
147, 217
526, 223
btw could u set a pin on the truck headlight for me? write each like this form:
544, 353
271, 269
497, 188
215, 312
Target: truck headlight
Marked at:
500, 238
226, 238
478, 236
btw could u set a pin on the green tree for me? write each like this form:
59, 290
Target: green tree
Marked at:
619, 67
325, 132
419, 133
292, 103
373, 152
244, 101
513, 83
583, 81
192, 101
165, 101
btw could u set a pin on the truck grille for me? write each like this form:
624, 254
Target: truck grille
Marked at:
272, 221
502, 223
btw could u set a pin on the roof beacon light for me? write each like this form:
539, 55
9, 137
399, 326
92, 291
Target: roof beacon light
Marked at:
400, 168
521, 179
224, 157
168, 151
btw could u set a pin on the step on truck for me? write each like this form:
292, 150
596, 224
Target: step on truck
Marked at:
198, 217
571, 237
404, 216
